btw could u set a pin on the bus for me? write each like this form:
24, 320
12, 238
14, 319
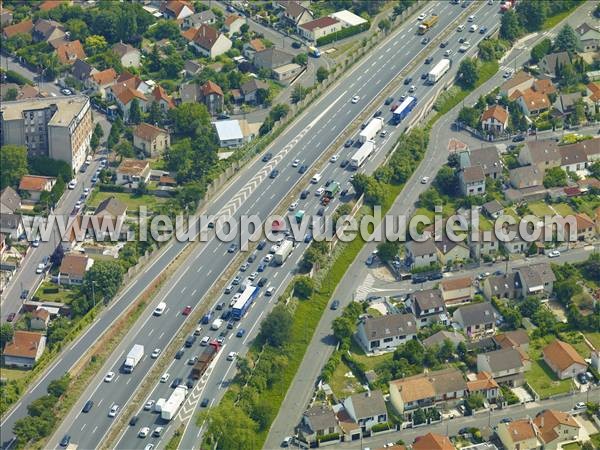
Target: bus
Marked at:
243, 303
404, 109
427, 24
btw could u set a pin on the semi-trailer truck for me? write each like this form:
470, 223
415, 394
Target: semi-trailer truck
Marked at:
438, 71
172, 405
362, 154
371, 130
427, 24
134, 356
283, 252
205, 359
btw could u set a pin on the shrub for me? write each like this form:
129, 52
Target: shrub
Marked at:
51, 290
329, 437
380, 427
344, 33
111, 188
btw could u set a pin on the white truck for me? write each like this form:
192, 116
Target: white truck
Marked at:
171, 406
283, 252
160, 403
216, 324
362, 154
134, 356
371, 130
438, 71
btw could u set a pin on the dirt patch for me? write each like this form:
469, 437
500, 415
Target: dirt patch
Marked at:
383, 273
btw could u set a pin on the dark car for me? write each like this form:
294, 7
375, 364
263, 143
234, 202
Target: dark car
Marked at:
261, 267
189, 383
582, 378
462, 40
407, 80
274, 174
296, 44
220, 306
506, 420
262, 244
423, 75
179, 354
307, 238
519, 138
88, 406
335, 304
419, 279
230, 324
348, 143
429, 60
206, 317
302, 168
363, 126
344, 192
223, 116
133, 421
224, 333
226, 315
444, 44
304, 194
232, 248
435, 276
10, 317
344, 163
389, 100
176, 382
24, 294
328, 183
377, 113
262, 281
187, 310
204, 402
65, 440
267, 157
425, 40
320, 212
190, 341
240, 332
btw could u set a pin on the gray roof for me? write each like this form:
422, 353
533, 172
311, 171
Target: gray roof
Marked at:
493, 207
422, 248
272, 58
553, 58
476, 314
82, 70
389, 325
501, 285
321, 417
438, 338
10, 199
253, 85
473, 174
190, 92
503, 359
368, 404
122, 49
536, 275
544, 150
446, 245
487, 158
192, 67
112, 206
428, 299
202, 17
9, 221
573, 154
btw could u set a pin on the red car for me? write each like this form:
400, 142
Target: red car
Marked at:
187, 310
10, 317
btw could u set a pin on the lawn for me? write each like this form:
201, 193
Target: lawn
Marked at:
572, 446
563, 209
594, 338
64, 295
544, 382
370, 362
133, 202
576, 340
13, 374
540, 209
552, 21
341, 385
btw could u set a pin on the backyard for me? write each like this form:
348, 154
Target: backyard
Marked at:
132, 201
50, 292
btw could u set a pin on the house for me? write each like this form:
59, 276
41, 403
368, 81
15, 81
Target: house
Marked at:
212, 97
317, 421
543, 154
128, 55
513, 339
421, 254
485, 385
230, 133
51, 4
441, 336
433, 441
532, 102
589, 37
521, 81
24, 27
366, 409
6, 17
563, 360
294, 13
556, 427
132, 172
483, 245
100, 81
450, 251
233, 24
520, 434
565, 103
493, 209
191, 68
207, 41
252, 47
506, 365
25, 348
494, 119
115, 211
487, 158
536, 279
549, 62
578, 156
348, 19
73, 268
592, 97
477, 320
82, 71
10, 201
126, 89
39, 319
457, 290
386, 332
69, 52
150, 139
250, 90
201, 18
11, 225
278, 62
34, 185
49, 31
440, 388
506, 286
472, 181
586, 228
176, 9
160, 96
316, 29
428, 307
526, 177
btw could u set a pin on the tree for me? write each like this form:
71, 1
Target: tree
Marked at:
555, 177
467, 74
322, 74
384, 25
13, 160
540, 50
95, 44
228, 425
6, 334
510, 28
469, 116
124, 149
446, 352
300, 59
11, 94
276, 329
529, 306
532, 14
567, 40
446, 181
343, 328
155, 114
164, 29
279, 111
58, 387
387, 250
578, 115
474, 402
304, 287
191, 119
299, 93
172, 66
419, 416
135, 113
566, 75
595, 169
105, 277
78, 29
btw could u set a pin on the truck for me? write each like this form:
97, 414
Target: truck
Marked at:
300, 216
371, 130
216, 324
283, 252
244, 302
171, 406
404, 109
134, 356
205, 358
427, 24
439, 70
332, 190
314, 51
362, 154
244, 284
160, 403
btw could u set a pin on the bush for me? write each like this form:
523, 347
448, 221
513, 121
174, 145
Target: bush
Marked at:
329, 437
380, 427
111, 188
344, 33
50, 290
14, 77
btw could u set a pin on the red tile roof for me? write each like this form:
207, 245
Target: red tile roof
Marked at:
562, 355
50, 4
105, 77
69, 52
74, 265
205, 36
433, 441
148, 132
211, 88
319, 23
25, 344
34, 183
23, 27
594, 88
497, 112
159, 94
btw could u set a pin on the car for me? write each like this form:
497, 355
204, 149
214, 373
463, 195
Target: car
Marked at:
519, 138
149, 405
553, 254
307, 238
274, 174
226, 315
179, 353
304, 194
288, 439
232, 248
114, 410
407, 81
580, 405
435, 276
383, 133
262, 266
355, 99
402, 97
335, 304
66, 91
262, 244
268, 259
109, 377
267, 157
348, 143
425, 180
448, 52
240, 332
72, 184
296, 44
582, 378
295, 163
64, 442
220, 340
86, 191
133, 421
230, 324
204, 403
88, 406
424, 76
460, 28
344, 163
388, 101
176, 382
483, 30
35, 243
302, 168
231, 356
462, 40
165, 377
149, 447
24, 294
319, 191
10, 317
78, 203
157, 431
144, 432
321, 212
253, 276
270, 291
421, 16
506, 420
204, 341
429, 60
262, 282
155, 353
471, 18
416, 279
444, 44
94, 179
244, 267
40, 268
274, 248
363, 125
293, 206
370, 260
425, 40
412, 88
473, 28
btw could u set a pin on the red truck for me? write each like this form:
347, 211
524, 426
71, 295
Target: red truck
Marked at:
204, 359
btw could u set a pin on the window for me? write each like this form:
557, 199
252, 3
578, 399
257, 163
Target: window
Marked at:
388, 339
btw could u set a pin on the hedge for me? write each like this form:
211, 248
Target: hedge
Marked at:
50, 290
14, 77
343, 33
111, 188
380, 427
329, 437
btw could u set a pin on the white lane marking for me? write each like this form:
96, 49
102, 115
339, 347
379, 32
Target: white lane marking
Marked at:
100, 402
151, 331
215, 250
83, 426
253, 325
199, 269
161, 335
209, 272
276, 273
193, 292
183, 290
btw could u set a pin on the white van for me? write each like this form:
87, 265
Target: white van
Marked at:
460, 28
216, 324
198, 330
160, 309
316, 178
205, 340
473, 28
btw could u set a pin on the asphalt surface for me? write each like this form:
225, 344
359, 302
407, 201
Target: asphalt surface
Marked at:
309, 136
323, 343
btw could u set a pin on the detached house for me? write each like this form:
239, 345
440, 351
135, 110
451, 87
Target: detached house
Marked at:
177, 9
472, 181
432, 441
493, 209
506, 366
457, 290
100, 81
366, 409
521, 81
477, 320
593, 94
549, 62
212, 97
40, 318
543, 154
533, 103
485, 385
73, 268
386, 332
421, 254
428, 307
201, 18
34, 185
132, 172
556, 427
526, 177
487, 158
10, 201
69, 52
82, 71
451, 252
506, 286
318, 421
24, 349
494, 119
563, 360
207, 41
521, 434
252, 47
233, 24
294, 13
278, 62
250, 90
316, 29
536, 279
24, 27
128, 55
586, 228
589, 37
49, 31
150, 139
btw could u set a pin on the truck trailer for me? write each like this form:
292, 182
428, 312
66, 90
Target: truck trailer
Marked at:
172, 405
362, 154
427, 24
283, 252
242, 304
404, 109
371, 130
439, 70
205, 359
134, 356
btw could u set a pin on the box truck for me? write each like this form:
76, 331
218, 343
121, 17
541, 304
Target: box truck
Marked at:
134, 356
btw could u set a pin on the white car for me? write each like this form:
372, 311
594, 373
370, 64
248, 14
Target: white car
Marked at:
149, 404
296, 163
72, 184
40, 268
253, 276
144, 432
421, 16
293, 206
448, 52
471, 18
109, 377
231, 356
157, 431
270, 291
268, 258
320, 191
580, 405
78, 204
155, 353
274, 248
114, 409
355, 99
412, 89
507, 74
35, 243
424, 180
244, 267
334, 158
165, 377
554, 254
86, 191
